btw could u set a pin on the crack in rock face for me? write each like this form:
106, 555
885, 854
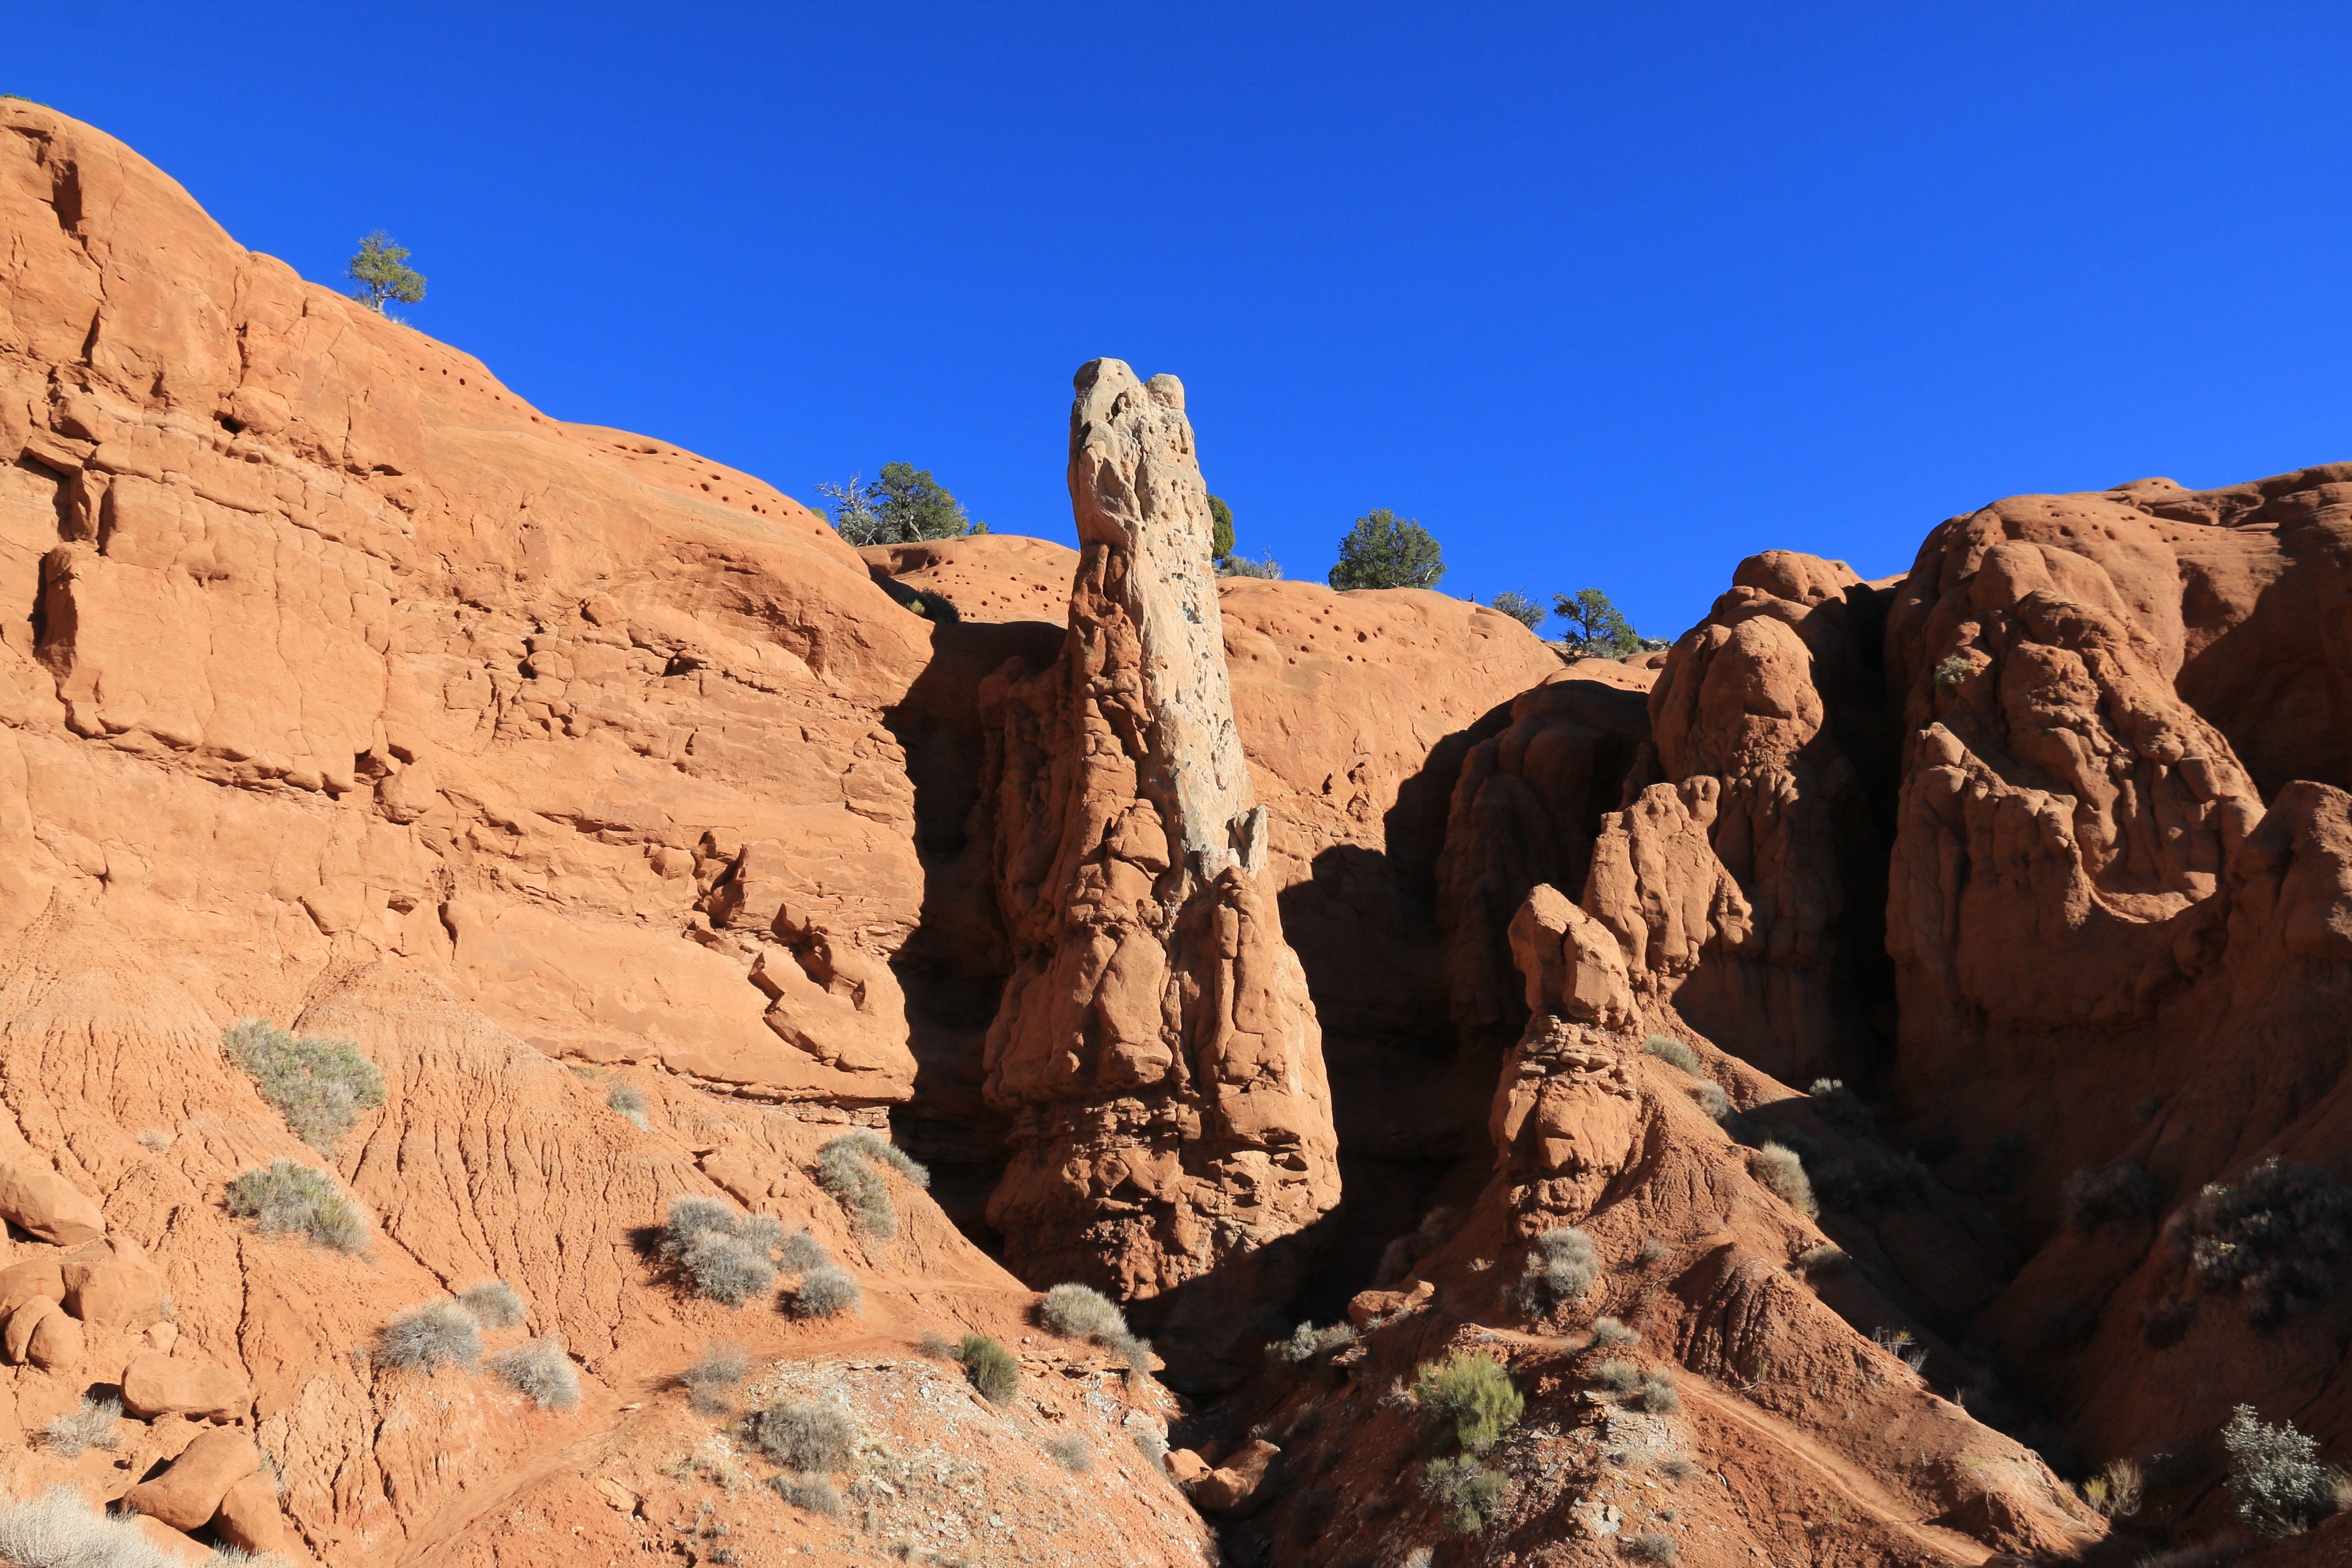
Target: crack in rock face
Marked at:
1156, 1043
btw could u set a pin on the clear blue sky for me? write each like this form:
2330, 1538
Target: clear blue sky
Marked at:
1605, 295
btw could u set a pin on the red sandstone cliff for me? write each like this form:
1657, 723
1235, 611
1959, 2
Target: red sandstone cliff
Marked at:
547, 764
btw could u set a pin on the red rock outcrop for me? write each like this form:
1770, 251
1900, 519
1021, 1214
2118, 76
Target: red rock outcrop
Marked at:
1156, 1045
2121, 969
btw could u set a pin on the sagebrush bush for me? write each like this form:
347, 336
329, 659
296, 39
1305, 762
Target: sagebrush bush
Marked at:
426, 1339
2275, 1483
1610, 1331
1617, 1375
59, 1530
494, 1303
1713, 1101
825, 1291
1081, 1312
1306, 1342
2117, 1490
936, 1345
286, 1197
2276, 1239
1070, 1451
1560, 1267
803, 1434
629, 1100
1666, 1048
1657, 1393
2100, 1197
1677, 1469
812, 1494
541, 1372
319, 1085
1471, 1494
1873, 1179
803, 1251
93, 1424
711, 1383
1782, 1172
848, 1167
1468, 1401
990, 1366
1841, 1107
722, 1255
1821, 1262
1650, 1546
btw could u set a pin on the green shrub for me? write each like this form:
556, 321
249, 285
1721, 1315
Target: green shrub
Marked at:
1782, 1172
711, 1383
319, 1085
494, 1303
990, 1366
382, 271
1384, 550
2275, 1482
1467, 1400
1560, 1267
722, 1255
2277, 1240
542, 1373
92, 1423
1520, 608
1666, 1048
1243, 566
1597, 629
427, 1338
804, 1252
287, 1197
629, 1100
1470, 1494
847, 1168
904, 505
803, 1434
1221, 529
1952, 671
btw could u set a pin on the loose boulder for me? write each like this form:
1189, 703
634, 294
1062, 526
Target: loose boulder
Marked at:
38, 1200
18, 1337
110, 1284
20, 1282
157, 1385
191, 1492
57, 1343
249, 1519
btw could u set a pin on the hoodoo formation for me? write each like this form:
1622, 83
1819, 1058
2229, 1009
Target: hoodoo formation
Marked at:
1156, 1046
493, 911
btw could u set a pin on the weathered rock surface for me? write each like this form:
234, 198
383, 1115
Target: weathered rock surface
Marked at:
157, 1385
1156, 1046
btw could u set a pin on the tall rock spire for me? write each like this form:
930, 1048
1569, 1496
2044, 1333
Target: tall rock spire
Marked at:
1156, 1045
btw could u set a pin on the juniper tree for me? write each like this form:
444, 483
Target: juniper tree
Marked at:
382, 271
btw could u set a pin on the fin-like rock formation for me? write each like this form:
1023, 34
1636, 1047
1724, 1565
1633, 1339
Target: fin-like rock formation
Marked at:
1156, 1046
